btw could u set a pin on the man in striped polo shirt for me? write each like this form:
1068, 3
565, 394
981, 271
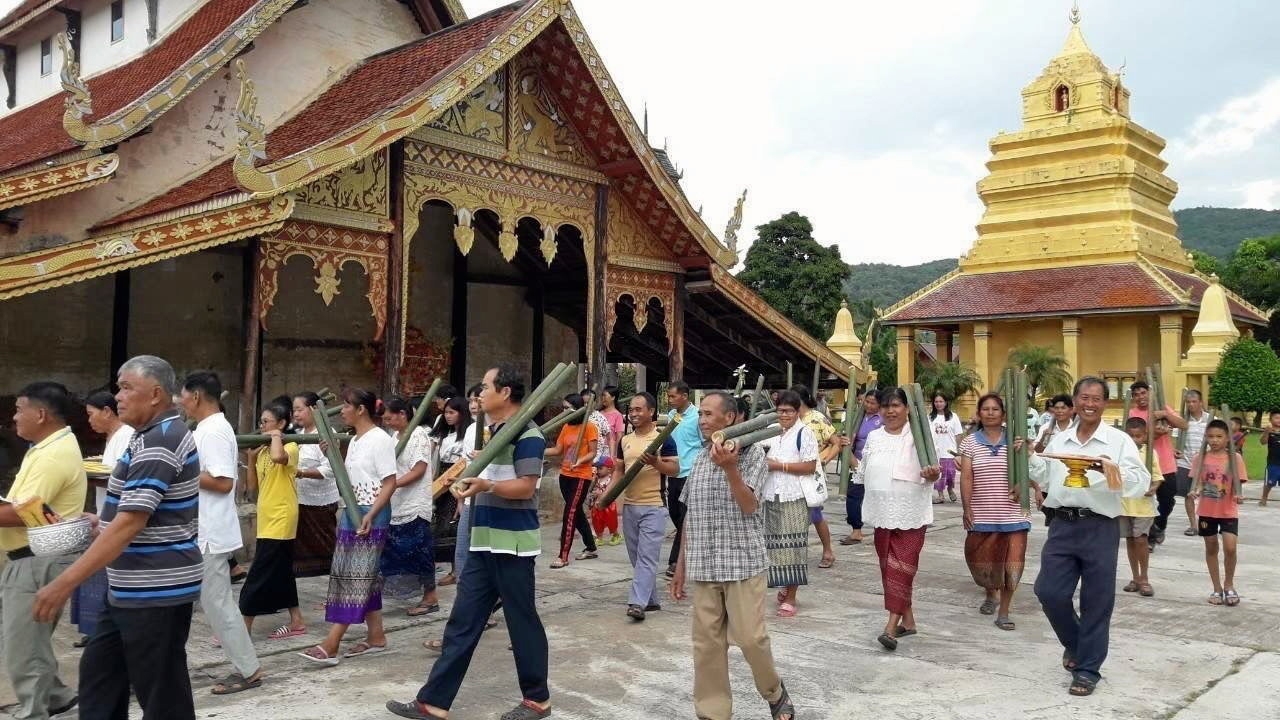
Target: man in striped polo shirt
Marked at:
148, 545
504, 544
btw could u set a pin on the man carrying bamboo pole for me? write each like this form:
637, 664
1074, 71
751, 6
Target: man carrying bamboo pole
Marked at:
688, 445
1082, 547
1189, 442
505, 543
724, 558
644, 519
1163, 449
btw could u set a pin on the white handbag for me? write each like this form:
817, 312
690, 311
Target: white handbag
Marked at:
814, 486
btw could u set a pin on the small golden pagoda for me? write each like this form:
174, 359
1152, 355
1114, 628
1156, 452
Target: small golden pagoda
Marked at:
1077, 248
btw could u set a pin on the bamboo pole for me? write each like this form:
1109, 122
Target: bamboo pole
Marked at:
629, 476
1232, 476
760, 421
1021, 456
853, 415
817, 379
756, 396
418, 416
741, 442
1151, 416
253, 440
790, 370
516, 424
1011, 404
923, 441
564, 418
340, 476
1182, 434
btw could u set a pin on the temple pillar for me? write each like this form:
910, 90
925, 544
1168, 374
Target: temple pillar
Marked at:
251, 381
598, 341
982, 352
945, 345
675, 357
1071, 345
906, 355
1170, 353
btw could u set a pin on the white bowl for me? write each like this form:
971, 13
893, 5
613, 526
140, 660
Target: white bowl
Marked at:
66, 537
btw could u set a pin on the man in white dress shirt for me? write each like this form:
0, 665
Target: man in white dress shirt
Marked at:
1084, 537
219, 534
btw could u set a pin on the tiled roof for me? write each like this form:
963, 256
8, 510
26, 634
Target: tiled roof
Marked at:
1048, 291
372, 87
1194, 285
35, 133
20, 12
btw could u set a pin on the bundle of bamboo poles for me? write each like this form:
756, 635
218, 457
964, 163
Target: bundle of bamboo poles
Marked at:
340, 476
1018, 389
418, 416
1182, 434
757, 397
629, 476
253, 440
918, 418
564, 418
854, 413
516, 424
747, 439
1155, 403
758, 422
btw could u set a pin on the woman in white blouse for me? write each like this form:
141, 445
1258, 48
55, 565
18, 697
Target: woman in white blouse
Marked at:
408, 561
898, 505
792, 459
317, 498
456, 437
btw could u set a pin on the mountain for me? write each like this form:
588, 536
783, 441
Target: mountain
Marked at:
885, 284
1217, 231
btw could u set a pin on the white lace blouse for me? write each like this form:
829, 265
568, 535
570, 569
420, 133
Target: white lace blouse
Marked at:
897, 497
796, 445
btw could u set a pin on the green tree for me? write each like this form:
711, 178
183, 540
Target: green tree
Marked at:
949, 379
1046, 368
1248, 377
1206, 263
1254, 271
879, 344
795, 274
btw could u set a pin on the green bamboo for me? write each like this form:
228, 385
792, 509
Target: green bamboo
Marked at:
922, 440
924, 422
790, 369
253, 440
1010, 394
1022, 455
418, 416
741, 442
817, 378
756, 396
517, 423
1151, 416
564, 418
1236, 484
340, 476
630, 475
853, 414
1182, 434
760, 421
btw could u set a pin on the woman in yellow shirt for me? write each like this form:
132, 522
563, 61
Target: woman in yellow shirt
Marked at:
273, 471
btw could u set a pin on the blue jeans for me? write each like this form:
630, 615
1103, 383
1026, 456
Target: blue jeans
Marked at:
462, 541
853, 505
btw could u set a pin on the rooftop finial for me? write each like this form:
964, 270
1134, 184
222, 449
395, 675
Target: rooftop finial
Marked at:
1075, 13
646, 120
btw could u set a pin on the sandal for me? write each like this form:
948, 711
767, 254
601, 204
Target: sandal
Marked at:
888, 642
235, 682
588, 555
988, 607
411, 709
1131, 587
786, 610
782, 707
284, 631
850, 540
434, 645
526, 710
902, 632
558, 563
421, 610
1232, 597
1216, 598
827, 562
447, 580
1145, 590
317, 654
491, 623
1068, 662
1004, 623
364, 648
1082, 686
782, 596
1189, 531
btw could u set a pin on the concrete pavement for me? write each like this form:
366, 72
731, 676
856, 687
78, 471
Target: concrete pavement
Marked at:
1172, 656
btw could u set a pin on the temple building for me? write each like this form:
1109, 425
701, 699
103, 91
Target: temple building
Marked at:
1077, 248
348, 192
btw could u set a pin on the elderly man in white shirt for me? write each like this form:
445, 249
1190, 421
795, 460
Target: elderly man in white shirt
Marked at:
1189, 444
219, 534
1084, 537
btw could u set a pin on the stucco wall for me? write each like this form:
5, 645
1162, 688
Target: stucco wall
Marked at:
63, 334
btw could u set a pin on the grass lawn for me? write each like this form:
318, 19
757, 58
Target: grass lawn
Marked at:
1255, 458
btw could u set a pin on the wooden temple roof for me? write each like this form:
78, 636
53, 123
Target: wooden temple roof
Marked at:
1132, 287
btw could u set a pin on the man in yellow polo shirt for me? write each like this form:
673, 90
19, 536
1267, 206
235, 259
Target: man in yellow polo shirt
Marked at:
52, 470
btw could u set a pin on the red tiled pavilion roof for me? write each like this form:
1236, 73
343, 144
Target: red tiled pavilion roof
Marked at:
373, 86
36, 133
24, 8
1085, 289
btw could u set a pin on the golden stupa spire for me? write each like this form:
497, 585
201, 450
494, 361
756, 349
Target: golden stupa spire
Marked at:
1075, 43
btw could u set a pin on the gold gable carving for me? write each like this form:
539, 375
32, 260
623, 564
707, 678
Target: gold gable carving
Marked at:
481, 115
361, 187
641, 286
538, 126
631, 238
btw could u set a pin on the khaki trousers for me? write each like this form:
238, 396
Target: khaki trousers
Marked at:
28, 645
723, 613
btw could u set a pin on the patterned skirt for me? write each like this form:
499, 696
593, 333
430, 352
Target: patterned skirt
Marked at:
88, 602
355, 585
899, 554
313, 548
408, 561
996, 559
786, 541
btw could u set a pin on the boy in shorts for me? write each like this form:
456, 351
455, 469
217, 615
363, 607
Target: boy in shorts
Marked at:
1271, 438
1138, 514
1217, 502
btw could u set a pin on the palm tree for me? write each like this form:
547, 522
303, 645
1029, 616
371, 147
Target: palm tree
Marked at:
949, 379
1046, 368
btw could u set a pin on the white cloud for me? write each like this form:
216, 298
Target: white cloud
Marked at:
1236, 126
1262, 194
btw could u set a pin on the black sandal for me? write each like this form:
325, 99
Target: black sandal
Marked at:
783, 706
1082, 686
904, 632
235, 682
888, 642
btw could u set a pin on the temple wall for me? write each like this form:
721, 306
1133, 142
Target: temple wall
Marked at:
292, 62
97, 52
1006, 335
431, 257
308, 345
1109, 344
62, 334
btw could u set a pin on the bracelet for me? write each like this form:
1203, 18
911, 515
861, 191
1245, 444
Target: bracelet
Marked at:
786, 468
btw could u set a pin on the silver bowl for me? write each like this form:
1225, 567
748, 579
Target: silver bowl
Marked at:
64, 538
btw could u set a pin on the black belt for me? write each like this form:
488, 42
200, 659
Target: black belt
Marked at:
1076, 513
21, 553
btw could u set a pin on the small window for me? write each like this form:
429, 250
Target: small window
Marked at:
117, 20
46, 56
1061, 98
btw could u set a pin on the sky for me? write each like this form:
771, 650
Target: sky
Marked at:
872, 118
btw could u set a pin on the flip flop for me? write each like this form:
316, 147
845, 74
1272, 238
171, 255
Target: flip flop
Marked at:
588, 555
1004, 623
434, 645
902, 632
1145, 590
364, 648
1189, 531
1068, 662
782, 706
1215, 598
558, 563
826, 563
411, 709
1131, 587
786, 610
888, 642
235, 682
988, 607
847, 540
447, 580
1231, 597
318, 655
526, 710
284, 631
421, 610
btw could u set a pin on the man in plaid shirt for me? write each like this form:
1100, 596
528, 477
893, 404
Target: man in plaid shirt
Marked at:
723, 555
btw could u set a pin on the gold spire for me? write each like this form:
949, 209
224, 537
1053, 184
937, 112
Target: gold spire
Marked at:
1075, 13
1214, 328
844, 341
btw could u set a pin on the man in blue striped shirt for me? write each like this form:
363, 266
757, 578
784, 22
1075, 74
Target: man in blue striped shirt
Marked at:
148, 545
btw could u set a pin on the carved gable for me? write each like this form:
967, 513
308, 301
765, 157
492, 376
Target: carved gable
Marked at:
360, 188
538, 125
482, 114
631, 242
